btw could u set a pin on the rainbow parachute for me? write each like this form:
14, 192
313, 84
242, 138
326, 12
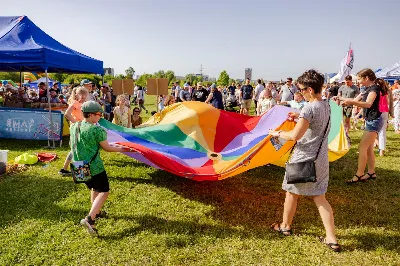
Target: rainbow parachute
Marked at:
197, 141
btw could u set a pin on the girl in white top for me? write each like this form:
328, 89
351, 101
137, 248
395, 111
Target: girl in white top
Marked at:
122, 114
265, 102
396, 104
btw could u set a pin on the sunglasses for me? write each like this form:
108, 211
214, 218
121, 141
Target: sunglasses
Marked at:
303, 89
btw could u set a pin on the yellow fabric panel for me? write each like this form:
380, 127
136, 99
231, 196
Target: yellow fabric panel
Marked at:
207, 121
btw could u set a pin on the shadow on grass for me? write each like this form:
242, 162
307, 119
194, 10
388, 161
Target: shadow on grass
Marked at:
254, 200
192, 229
24, 197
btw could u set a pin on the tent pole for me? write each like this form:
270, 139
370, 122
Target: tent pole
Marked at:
20, 78
51, 117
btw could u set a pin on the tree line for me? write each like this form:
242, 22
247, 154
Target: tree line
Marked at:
223, 80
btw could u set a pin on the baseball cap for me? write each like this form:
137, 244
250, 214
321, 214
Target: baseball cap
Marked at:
186, 85
91, 107
106, 85
85, 81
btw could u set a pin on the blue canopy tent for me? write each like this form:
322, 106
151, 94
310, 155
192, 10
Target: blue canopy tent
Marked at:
25, 47
36, 82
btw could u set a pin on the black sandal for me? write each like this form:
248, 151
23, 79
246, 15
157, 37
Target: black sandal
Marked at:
335, 247
370, 176
101, 214
88, 223
284, 232
352, 181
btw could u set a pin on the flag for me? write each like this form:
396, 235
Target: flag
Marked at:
346, 65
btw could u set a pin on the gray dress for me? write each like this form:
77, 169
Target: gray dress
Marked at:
317, 114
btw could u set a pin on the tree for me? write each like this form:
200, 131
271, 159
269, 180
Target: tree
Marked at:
14, 76
130, 72
58, 76
170, 75
108, 79
120, 76
142, 80
159, 74
77, 78
223, 79
190, 78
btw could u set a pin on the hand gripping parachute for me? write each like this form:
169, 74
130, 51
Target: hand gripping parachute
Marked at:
197, 141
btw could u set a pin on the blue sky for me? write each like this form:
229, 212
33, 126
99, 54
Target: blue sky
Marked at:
276, 39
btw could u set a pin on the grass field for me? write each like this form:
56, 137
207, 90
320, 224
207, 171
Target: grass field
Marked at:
156, 218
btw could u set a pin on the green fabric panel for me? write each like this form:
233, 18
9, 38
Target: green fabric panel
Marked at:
169, 135
336, 120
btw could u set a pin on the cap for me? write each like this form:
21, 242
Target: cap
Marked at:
106, 85
186, 85
85, 81
91, 107
213, 86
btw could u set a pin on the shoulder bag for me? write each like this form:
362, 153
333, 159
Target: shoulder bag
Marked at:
304, 172
81, 169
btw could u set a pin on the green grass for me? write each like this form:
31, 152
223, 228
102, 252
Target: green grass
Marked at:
156, 218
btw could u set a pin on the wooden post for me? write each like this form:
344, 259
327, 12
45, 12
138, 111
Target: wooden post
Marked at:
157, 96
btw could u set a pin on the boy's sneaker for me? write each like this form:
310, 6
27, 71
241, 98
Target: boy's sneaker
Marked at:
64, 172
88, 224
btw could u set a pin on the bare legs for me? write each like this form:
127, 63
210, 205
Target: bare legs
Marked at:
97, 199
366, 154
324, 208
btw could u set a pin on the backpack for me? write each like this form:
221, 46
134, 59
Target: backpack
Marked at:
247, 90
383, 104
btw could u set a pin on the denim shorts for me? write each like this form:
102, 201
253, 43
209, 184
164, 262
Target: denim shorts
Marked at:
107, 108
374, 125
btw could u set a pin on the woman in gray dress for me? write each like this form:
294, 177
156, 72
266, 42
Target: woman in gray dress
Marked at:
309, 132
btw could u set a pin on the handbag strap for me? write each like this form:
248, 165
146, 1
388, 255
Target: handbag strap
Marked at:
326, 129
78, 130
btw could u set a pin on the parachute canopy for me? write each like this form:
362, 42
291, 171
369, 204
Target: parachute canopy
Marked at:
197, 141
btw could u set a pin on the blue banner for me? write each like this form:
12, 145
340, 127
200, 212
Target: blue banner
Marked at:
34, 124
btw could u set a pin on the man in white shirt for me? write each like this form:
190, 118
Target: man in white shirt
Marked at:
287, 91
177, 92
257, 91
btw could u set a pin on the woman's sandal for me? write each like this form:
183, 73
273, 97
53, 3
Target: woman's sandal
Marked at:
335, 247
284, 232
370, 176
88, 223
352, 181
101, 214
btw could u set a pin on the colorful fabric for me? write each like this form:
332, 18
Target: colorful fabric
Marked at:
197, 141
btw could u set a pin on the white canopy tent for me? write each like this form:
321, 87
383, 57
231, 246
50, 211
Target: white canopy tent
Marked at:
392, 71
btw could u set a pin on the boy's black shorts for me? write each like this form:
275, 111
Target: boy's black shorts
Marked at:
99, 183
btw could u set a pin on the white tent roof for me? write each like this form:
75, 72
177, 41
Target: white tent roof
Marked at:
392, 71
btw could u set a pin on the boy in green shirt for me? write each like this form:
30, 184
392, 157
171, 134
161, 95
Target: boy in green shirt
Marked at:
90, 138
